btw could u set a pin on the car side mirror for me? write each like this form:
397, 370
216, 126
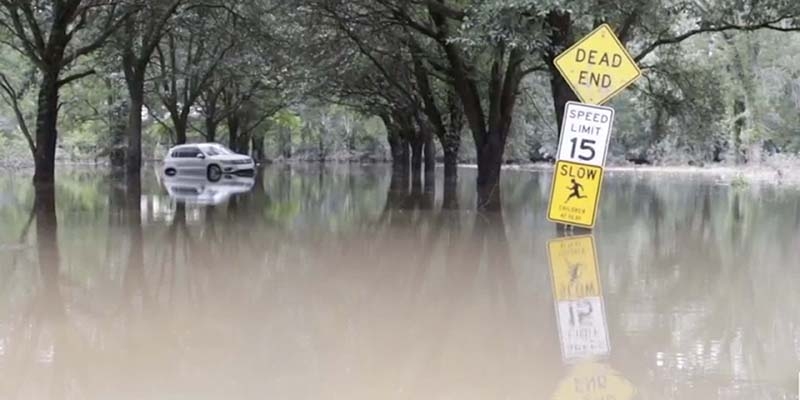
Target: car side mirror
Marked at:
201, 156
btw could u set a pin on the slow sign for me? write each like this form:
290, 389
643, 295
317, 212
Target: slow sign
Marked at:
598, 67
575, 194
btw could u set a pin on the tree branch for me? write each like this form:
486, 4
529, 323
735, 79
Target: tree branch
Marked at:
769, 25
12, 98
111, 26
75, 77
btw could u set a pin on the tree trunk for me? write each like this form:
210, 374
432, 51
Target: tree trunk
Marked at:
351, 139
450, 165
180, 125
233, 131
451, 145
430, 173
134, 150
117, 127
560, 39
400, 155
244, 143
430, 155
416, 160
286, 142
739, 109
258, 148
211, 129
398, 188
490, 162
46, 129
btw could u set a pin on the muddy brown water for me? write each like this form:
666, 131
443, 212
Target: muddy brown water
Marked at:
314, 282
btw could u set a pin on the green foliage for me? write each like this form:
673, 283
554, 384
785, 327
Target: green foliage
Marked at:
303, 84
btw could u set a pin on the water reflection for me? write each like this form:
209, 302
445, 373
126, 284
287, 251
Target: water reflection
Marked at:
201, 191
582, 323
333, 282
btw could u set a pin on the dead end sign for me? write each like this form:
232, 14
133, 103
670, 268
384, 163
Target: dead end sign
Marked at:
598, 67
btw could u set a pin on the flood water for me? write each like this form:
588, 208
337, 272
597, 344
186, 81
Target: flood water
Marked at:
313, 282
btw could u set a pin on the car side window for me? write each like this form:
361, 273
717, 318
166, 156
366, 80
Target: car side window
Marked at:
187, 152
191, 152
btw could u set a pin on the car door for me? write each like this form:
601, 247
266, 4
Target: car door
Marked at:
193, 162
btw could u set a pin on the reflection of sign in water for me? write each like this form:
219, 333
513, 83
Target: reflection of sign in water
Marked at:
575, 194
573, 266
578, 297
582, 327
598, 66
593, 381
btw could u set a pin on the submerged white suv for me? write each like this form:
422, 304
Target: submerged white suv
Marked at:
210, 159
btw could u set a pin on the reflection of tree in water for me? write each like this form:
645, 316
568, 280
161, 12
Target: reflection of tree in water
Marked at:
690, 289
447, 279
422, 299
135, 284
44, 337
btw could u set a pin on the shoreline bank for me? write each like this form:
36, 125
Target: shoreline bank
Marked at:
766, 173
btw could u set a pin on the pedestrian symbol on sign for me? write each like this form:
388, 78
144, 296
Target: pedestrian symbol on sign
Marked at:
576, 189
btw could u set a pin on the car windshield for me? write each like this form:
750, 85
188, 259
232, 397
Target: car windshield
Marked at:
216, 150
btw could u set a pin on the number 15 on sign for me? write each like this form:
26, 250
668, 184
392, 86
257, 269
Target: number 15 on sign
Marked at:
585, 134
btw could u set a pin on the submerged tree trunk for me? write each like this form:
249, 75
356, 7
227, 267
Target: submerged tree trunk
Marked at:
400, 155
46, 128
450, 166
286, 142
430, 155
416, 159
244, 143
258, 148
489, 129
117, 127
490, 163
451, 145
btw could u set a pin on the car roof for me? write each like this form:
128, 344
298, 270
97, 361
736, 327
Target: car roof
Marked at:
181, 146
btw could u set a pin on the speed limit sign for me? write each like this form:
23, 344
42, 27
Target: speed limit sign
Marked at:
585, 133
578, 176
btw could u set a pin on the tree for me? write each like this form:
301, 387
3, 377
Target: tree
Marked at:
490, 47
185, 61
136, 43
54, 35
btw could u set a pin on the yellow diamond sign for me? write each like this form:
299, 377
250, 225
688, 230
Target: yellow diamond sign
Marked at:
598, 67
